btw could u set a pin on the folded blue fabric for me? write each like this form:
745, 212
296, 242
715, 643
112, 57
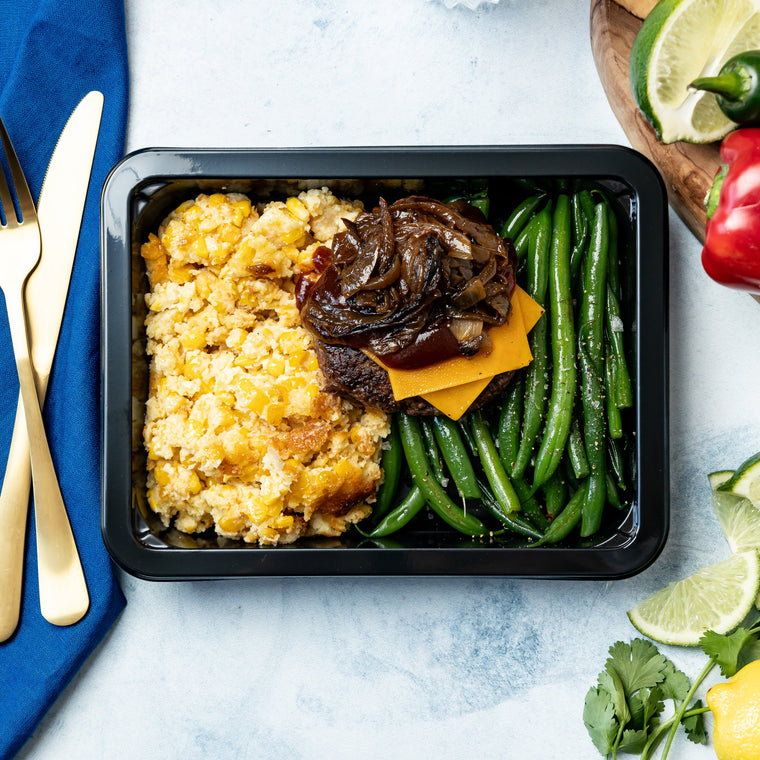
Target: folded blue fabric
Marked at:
52, 53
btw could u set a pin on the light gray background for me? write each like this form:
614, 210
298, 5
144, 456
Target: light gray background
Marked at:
409, 668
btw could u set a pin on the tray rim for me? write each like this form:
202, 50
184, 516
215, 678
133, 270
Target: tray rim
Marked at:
147, 166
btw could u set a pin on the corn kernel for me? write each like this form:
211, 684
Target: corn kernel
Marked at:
275, 411
343, 469
161, 474
257, 401
217, 199
231, 523
194, 485
199, 249
228, 233
276, 366
193, 338
181, 274
226, 397
245, 361
292, 235
297, 209
242, 209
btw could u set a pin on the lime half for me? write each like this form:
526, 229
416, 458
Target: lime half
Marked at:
715, 598
679, 41
746, 480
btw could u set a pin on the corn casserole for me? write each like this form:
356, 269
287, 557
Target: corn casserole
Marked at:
240, 436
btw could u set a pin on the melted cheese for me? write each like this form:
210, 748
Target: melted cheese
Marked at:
452, 385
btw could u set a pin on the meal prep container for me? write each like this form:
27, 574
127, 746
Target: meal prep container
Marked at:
144, 187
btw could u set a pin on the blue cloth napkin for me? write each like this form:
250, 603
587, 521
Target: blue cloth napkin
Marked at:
52, 53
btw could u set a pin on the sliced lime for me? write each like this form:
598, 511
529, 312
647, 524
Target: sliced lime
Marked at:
719, 477
679, 41
740, 520
715, 598
746, 480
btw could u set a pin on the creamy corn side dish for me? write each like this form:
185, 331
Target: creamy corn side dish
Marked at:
239, 435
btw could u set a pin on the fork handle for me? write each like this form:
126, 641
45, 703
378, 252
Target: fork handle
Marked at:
63, 590
14, 504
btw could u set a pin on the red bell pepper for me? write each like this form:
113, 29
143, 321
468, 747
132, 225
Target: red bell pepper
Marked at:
731, 254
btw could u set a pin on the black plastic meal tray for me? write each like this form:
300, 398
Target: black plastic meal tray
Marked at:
143, 188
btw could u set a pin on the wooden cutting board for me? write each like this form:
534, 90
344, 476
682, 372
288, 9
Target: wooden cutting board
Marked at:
688, 170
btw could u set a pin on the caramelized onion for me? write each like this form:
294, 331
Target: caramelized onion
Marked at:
413, 282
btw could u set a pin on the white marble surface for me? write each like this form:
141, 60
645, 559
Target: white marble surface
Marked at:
411, 668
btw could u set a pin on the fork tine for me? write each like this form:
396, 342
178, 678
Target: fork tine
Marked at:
24, 197
6, 201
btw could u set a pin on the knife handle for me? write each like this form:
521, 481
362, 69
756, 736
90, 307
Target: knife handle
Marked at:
14, 506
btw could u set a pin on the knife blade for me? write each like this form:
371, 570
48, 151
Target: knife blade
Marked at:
63, 590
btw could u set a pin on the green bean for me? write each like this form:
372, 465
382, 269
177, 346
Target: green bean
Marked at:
615, 460
434, 455
587, 203
555, 493
614, 419
576, 450
436, 497
591, 359
594, 291
512, 520
455, 455
594, 436
510, 422
613, 496
580, 236
613, 260
400, 516
492, 466
529, 504
391, 462
562, 525
522, 241
482, 203
537, 374
620, 375
469, 441
562, 326
521, 215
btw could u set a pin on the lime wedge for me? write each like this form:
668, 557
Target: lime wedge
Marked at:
715, 598
719, 477
746, 480
679, 41
740, 520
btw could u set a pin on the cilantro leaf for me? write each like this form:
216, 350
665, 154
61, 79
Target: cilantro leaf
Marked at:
632, 741
646, 706
676, 684
611, 683
600, 720
639, 664
726, 649
695, 725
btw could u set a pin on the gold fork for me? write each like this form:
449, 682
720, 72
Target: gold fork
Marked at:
63, 590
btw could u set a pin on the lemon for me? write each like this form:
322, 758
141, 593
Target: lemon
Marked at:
716, 598
679, 41
736, 705
746, 480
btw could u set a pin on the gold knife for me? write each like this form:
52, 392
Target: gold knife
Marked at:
63, 590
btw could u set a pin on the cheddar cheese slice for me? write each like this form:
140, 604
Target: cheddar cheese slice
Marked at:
510, 351
456, 400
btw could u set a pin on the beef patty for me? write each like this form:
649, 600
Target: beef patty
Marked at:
353, 375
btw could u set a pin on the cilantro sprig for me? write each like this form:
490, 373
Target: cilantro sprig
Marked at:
623, 713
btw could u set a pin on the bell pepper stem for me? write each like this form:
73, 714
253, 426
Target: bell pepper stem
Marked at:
731, 85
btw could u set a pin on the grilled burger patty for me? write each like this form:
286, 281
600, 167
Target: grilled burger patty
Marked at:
351, 374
